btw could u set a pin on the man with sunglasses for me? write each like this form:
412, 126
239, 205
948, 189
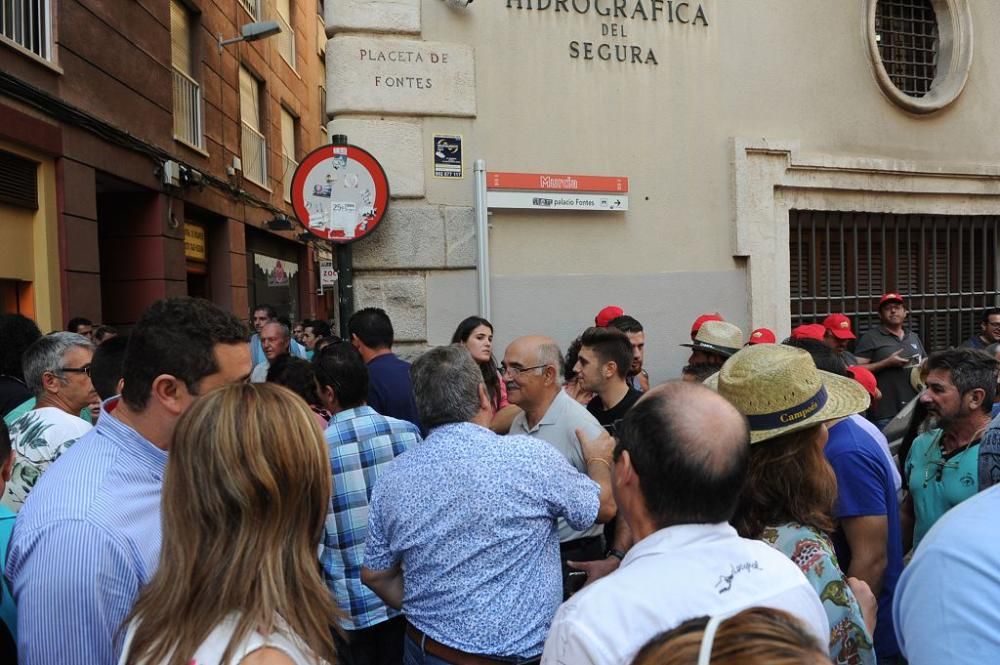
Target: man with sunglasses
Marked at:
943, 467
57, 371
531, 370
989, 331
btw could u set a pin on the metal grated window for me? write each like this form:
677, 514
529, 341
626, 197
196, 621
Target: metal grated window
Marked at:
946, 266
907, 35
18, 181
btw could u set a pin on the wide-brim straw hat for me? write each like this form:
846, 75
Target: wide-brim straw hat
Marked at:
779, 390
719, 337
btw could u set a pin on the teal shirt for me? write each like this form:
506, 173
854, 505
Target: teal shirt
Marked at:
8, 611
28, 405
813, 553
936, 484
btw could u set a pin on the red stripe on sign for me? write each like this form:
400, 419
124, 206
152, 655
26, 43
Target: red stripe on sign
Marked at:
551, 182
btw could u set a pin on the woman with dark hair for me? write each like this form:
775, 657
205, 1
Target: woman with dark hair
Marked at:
299, 376
476, 334
790, 490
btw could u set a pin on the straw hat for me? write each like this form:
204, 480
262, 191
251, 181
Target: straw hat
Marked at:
779, 390
719, 337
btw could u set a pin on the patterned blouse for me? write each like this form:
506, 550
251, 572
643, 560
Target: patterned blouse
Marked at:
813, 552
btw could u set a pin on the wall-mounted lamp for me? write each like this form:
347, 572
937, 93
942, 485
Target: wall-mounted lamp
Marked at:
251, 32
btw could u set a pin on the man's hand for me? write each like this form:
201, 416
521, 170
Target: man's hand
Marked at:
596, 569
867, 601
599, 447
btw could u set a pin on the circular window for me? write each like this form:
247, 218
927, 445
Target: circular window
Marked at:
921, 50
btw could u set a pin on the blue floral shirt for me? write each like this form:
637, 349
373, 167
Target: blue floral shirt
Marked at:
471, 518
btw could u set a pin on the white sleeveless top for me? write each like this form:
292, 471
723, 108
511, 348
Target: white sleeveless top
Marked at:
211, 650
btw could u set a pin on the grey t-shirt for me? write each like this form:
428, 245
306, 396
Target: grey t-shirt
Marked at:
894, 382
558, 426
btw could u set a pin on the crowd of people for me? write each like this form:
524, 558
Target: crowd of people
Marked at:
201, 492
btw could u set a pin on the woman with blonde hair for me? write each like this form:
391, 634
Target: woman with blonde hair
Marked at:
790, 491
755, 636
245, 497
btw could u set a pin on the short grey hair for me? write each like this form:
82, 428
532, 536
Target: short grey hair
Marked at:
446, 384
46, 355
549, 354
285, 332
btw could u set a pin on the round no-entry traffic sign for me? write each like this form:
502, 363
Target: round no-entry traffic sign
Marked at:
340, 193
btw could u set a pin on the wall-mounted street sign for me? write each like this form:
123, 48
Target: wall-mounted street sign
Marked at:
340, 193
447, 156
543, 191
327, 274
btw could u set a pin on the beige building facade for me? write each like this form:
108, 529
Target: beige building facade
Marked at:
726, 116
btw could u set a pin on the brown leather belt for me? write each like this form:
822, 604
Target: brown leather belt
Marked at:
445, 652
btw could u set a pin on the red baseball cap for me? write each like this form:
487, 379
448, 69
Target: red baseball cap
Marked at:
762, 336
864, 376
702, 319
607, 315
891, 297
839, 326
809, 331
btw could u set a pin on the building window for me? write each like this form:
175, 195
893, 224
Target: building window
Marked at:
187, 92
945, 265
322, 109
28, 24
252, 7
907, 36
921, 50
286, 40
288, 152
320, 36
252, 141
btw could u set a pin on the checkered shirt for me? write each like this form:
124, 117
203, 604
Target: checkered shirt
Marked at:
362, 444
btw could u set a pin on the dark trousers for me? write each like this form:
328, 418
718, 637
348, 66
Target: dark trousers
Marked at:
582, 549
381, 644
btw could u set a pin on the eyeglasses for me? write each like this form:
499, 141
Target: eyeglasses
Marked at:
937, 473
515, 371
77, 370
993, 324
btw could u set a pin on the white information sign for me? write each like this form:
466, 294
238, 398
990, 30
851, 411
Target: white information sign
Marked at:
327, 274
556, 200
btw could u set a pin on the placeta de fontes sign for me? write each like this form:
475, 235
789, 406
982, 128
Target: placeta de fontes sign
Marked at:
617, 18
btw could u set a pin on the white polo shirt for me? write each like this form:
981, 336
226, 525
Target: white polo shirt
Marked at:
558, 426
673, 575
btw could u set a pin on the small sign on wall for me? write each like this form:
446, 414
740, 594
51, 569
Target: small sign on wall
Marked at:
447, 156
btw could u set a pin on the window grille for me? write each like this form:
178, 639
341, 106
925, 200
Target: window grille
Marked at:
28, 23
907, 35
945, 266
252, 7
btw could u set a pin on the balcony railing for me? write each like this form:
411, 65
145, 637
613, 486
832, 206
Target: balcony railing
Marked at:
288, 166
254, 155
286, 40
28, 23
252, 7
187, 110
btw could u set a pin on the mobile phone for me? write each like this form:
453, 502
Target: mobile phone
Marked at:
575, 581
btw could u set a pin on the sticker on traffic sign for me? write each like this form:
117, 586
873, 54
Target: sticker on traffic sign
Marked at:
340, 193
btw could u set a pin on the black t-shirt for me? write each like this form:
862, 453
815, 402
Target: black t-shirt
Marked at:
609, 417
13, 393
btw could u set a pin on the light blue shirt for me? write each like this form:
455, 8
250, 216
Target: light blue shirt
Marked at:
85, 542
471, 518
946, 608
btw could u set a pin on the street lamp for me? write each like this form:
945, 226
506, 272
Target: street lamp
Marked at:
251, 32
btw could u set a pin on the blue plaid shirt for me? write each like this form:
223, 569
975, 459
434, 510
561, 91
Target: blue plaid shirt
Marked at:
362, 443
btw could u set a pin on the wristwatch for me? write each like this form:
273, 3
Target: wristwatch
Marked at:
618, 554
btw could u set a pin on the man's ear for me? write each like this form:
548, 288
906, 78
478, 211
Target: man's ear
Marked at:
484, 399
51, 382
171, 393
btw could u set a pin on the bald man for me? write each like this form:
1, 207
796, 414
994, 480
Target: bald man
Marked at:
531, 370
676, 483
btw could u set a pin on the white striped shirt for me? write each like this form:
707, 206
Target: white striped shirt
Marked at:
85, 542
